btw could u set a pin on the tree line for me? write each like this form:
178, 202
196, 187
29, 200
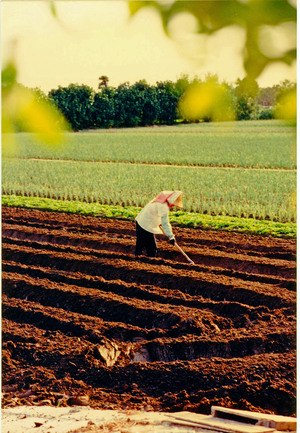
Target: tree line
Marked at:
141, 104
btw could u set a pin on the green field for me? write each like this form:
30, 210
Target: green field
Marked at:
240, 169
269, 144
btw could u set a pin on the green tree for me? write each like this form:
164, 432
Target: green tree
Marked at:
182, 83
244, 108
103, 108
103, 81
148, 102
247, 87
167, 98
127, 103
75, 102
284, 88
246, 91
267, 96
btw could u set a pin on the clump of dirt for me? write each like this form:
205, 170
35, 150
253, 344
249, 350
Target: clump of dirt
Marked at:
84, 322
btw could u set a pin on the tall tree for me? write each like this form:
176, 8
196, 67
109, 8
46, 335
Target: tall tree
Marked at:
103, 81
267, 96
247, 87
75, 102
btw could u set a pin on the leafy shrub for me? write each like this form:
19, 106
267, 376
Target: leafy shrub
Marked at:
266, 114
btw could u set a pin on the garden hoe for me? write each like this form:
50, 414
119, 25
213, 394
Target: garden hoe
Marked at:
183, 253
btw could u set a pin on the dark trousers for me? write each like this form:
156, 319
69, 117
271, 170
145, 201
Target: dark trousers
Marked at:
145, 241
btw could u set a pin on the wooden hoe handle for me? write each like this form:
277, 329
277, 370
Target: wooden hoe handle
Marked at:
183, 253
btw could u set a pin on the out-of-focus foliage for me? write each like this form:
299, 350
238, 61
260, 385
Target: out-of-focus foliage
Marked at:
259, 19
285, 87
27, 110
286, 98
251, 15
208, 101
53, 9
287, 106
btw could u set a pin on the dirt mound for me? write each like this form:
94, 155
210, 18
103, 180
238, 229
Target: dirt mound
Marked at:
86, 323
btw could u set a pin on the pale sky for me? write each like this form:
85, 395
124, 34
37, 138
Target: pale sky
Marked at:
94, 38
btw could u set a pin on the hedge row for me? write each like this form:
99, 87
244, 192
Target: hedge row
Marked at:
141, 104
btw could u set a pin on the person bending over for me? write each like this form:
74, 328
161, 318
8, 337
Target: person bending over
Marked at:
151, 217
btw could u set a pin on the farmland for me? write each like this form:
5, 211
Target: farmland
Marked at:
86, 322
242, 171
269, 144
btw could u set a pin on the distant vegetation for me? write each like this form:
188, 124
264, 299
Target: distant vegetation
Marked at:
142, 104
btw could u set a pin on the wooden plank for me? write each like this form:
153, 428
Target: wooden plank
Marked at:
221, 425
277, 422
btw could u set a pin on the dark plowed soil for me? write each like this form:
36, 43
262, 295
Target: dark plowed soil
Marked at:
85, 322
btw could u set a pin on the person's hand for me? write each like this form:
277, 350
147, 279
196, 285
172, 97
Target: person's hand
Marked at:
172, 241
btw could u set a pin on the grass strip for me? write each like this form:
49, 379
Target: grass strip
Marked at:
180, 218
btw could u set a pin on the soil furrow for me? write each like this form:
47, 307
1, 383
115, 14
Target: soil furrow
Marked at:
95, 303
215, 239
241, 347
173, 349
288, 283
76, 324
236, 261
52, 319
125, 239
237, 312
196, 284
84, 320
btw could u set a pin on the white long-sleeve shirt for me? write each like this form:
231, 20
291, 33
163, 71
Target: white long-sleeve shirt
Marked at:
152, 216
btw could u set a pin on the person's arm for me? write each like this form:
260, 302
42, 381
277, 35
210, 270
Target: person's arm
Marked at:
166, 226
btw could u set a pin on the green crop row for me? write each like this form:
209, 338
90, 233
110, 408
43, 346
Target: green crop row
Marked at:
182, 219
255, 145
260, 194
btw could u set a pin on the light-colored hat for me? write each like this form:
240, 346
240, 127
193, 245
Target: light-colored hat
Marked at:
173, 198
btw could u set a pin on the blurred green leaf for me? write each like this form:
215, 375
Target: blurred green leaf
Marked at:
289, 56
206, 101
22, 108
287, 106
214, 15
135, 6
53, 9
8, 75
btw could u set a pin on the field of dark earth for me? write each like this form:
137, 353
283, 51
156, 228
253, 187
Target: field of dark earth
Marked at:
84, 322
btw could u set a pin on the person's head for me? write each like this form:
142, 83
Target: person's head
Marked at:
172, 198
175, 199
